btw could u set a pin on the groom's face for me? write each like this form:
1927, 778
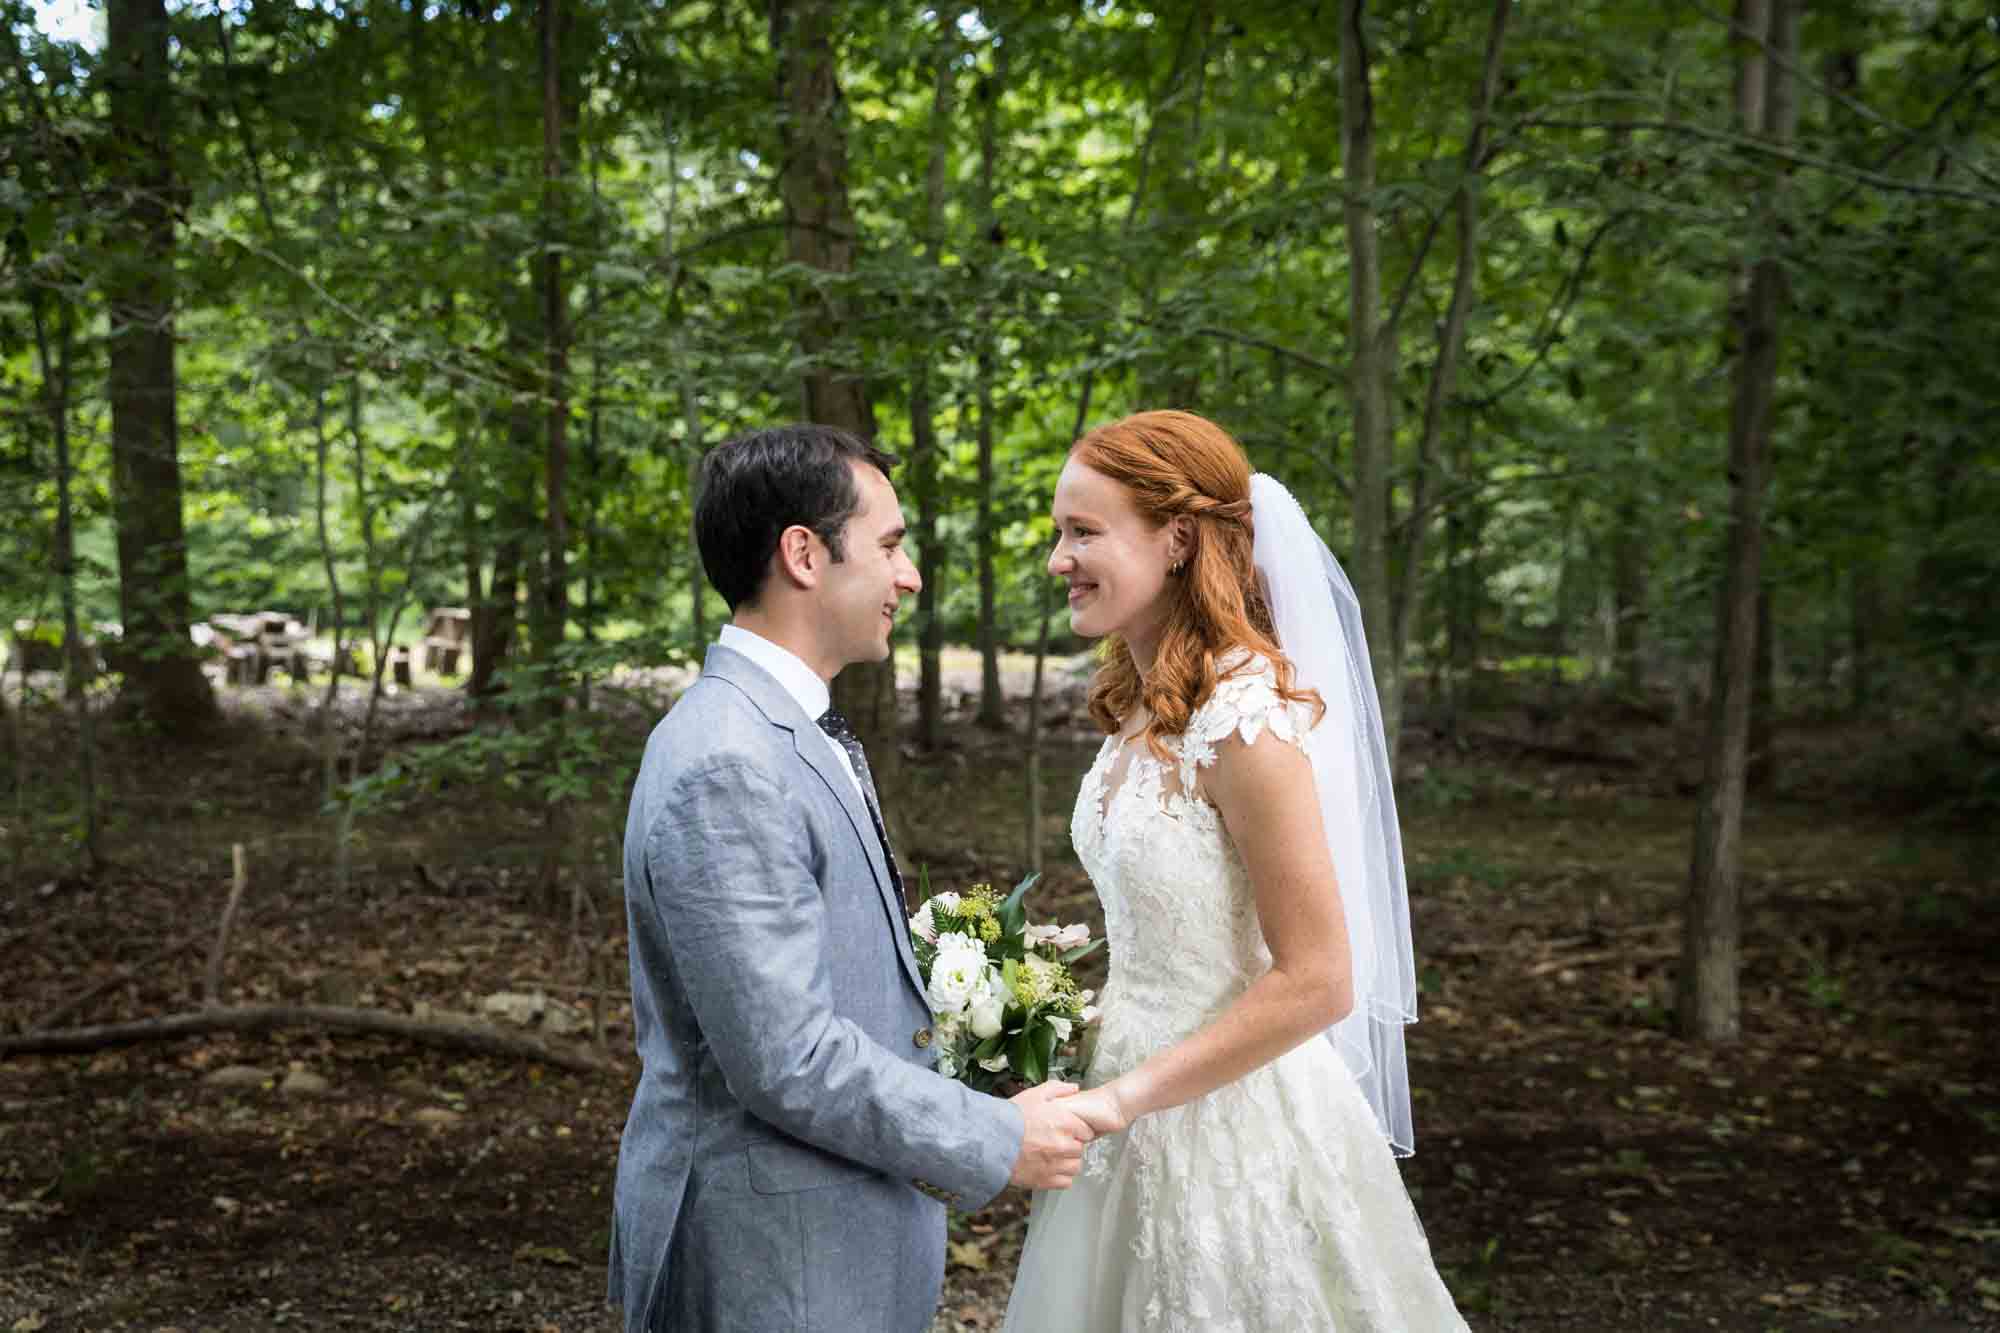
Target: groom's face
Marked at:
859, 594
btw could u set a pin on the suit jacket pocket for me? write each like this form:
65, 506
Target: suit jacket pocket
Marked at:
787, 1168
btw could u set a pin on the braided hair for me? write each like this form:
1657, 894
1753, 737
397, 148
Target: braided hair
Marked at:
1176, 464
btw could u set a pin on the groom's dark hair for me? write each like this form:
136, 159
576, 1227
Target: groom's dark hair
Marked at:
755, 486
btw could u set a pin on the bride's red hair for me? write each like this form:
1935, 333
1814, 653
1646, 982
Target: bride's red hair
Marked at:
1173, 465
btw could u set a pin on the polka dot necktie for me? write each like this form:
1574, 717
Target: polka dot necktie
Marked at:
834, 723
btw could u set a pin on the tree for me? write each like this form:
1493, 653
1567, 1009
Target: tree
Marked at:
821, 239
1710, 1007
155, 653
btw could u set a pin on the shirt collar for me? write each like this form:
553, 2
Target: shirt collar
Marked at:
799, 680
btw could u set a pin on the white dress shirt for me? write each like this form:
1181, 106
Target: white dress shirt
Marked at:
800, 681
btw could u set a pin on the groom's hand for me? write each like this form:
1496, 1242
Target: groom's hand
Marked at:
1052, 1147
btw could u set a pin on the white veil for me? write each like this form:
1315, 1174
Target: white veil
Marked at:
1318, 623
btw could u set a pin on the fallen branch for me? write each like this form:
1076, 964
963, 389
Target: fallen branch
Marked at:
1549, 965
478, 1038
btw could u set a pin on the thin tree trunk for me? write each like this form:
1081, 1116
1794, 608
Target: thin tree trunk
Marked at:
156, 654
693, 443
1709, 1003
554, 600
330, 733
1370, 366
1628, 583
56, 382
925, 456
821, 237
992, 706
1444, 372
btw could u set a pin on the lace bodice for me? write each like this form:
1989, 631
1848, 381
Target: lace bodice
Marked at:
1178, 915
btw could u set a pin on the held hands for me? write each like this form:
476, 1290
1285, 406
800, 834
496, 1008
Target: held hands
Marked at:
1102, 1109
1052, 1146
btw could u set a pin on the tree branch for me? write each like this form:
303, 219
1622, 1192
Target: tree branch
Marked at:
1778, 151
457, 1035
1557, 314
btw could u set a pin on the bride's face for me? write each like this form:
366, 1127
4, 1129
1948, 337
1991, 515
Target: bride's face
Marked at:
1113, 558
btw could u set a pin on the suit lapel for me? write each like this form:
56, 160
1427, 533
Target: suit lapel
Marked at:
812, 746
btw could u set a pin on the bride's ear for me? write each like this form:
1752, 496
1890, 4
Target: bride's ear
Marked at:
1180, 539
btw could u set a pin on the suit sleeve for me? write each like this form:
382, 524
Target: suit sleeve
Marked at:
727, 856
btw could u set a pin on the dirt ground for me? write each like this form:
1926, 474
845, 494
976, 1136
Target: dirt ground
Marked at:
1577, 1167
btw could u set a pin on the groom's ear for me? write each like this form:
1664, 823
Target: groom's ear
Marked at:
799, 557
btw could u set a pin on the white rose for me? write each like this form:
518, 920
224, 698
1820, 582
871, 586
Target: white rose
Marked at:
1036, 934
945, 902
922, 925
1072, 937
989, 1008
955, 975
996, 1065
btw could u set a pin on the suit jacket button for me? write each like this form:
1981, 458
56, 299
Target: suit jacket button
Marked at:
923, 1038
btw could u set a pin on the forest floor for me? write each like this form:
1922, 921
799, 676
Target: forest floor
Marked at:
1578, 1167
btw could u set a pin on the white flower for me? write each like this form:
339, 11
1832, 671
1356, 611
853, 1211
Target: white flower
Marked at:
1038, 934
996, 1065
947, 1064
1089, 1014
1072, 936
988, 1006
922, 926
957, 941
1061, 1026
955, 975
944, 902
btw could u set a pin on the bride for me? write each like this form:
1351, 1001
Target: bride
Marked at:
1248, 1078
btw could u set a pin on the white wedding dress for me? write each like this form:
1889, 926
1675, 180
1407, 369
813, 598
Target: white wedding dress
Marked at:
1271, 1205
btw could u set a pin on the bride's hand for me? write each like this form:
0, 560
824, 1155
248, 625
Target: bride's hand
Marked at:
1101, 1109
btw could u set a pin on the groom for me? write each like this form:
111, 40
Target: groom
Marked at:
790, 1149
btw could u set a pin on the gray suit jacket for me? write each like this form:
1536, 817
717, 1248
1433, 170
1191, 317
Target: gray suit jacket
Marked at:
787, 1107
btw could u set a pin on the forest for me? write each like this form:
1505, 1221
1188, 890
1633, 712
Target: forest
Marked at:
357, 362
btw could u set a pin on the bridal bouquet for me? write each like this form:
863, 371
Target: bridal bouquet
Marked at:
1005, 1003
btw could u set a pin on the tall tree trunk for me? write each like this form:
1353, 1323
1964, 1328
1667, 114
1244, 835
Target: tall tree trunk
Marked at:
992, 706
160, 668
925, 456
56, 388
1370, 366
553, 601
1404, 613
1710, 1007
820, 236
